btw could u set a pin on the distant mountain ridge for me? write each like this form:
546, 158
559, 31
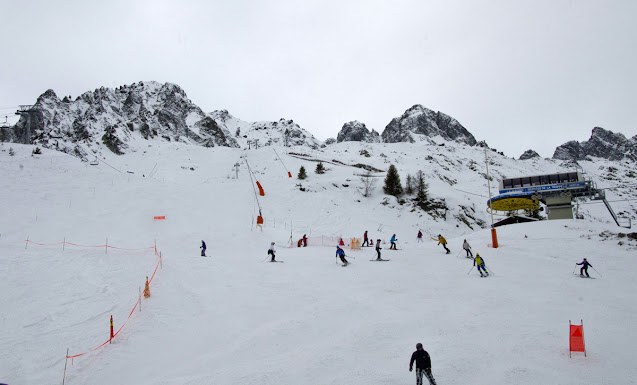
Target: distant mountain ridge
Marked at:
131, 117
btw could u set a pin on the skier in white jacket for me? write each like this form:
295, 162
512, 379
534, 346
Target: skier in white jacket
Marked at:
467, 248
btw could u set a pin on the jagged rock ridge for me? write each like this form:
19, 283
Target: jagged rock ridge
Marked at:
126, 118
602, 144
529, 154
356, 131
420, 123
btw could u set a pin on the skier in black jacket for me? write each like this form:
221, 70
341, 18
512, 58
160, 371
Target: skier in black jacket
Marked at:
378, 249
423, 365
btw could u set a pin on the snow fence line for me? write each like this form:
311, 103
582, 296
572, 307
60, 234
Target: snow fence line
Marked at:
106, 247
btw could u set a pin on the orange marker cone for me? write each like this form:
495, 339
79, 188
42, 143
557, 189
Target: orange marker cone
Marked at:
146, 289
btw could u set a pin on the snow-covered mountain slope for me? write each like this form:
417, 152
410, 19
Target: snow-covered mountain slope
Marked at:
233, 319
602, 144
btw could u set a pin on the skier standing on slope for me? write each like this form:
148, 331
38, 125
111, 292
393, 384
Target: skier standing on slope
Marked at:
443, 241
423, 365
481, 265
584, 268
393, 242
467, 248
203, 248
365, 240
271, 251
378, 249
340, 253
419, 236
304, 240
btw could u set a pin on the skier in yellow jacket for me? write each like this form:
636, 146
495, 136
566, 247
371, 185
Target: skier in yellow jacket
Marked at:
442, 241
481, 266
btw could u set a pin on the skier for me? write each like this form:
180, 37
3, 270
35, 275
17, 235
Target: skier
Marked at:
443, 241
378, 249
481, 265
419, 237
203, 248
340, 253
304, 241
584, 268
271, 251
423, 365
393, 242
467, 248
365, 240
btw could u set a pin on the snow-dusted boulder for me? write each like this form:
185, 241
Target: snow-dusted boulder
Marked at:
529, 154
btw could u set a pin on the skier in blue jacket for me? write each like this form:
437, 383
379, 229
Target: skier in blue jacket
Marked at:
340, 253
584, 268
393, 242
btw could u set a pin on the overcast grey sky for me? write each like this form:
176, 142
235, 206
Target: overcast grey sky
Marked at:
518, 74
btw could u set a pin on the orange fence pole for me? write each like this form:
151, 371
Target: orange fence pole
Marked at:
109, 341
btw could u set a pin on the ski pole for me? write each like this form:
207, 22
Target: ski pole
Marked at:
485, 266
457, 255
471, 269
574, 267
597, 272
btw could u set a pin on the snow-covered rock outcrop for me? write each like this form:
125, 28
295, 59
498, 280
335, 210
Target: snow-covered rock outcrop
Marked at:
529, 154
356, 131
420, 123
602, 144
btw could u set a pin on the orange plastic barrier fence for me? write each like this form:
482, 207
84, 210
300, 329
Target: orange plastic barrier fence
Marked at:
160, 217
136, 302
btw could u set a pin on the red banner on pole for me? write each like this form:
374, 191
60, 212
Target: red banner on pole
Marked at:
576, 338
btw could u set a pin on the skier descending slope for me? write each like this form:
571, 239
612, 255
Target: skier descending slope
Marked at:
423, 365
481, 266
584, 268
378, 258
271, 251
441, 240
340, 253
203, 248
467, 248
365, 240
393, 242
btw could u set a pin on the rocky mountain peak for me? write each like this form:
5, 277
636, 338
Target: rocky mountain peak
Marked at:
529, 154
420, 123
356, 131
602, 144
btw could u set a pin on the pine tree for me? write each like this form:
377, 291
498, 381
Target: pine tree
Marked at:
392, 182
422, 190
409, 185
302, 174
320, 169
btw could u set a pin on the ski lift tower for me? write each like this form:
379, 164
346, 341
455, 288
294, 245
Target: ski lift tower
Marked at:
26, 110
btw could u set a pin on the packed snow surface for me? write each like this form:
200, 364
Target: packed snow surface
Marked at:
233, 318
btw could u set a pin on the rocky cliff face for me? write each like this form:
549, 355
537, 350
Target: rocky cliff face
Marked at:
419, 123
356, 131
284, 132
529, 154
119, 119
602, 144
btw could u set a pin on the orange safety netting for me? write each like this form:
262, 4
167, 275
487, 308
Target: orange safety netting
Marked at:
136, 302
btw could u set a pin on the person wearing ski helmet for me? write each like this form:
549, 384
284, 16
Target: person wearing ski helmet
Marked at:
442, 241
365, 240
423, 365
271, 252
584, 268
203, 248
419, 236
378, 249
467, 248
481, 266
393, 242
340, 253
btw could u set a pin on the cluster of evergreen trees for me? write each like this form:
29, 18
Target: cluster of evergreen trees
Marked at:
414, 184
